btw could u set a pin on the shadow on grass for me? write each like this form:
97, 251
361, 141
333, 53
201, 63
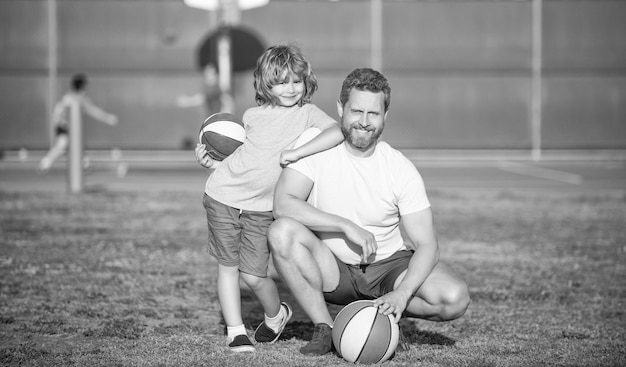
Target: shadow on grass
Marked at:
413, 335
303, 330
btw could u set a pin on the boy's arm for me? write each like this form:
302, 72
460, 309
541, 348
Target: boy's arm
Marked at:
202, 156
327, 139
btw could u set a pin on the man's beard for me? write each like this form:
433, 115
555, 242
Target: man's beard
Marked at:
361, 143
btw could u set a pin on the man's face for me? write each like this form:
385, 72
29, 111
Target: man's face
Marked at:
362, 120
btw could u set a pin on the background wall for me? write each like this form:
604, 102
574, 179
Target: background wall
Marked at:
460, 70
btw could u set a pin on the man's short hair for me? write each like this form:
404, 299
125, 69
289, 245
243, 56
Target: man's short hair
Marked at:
365, 79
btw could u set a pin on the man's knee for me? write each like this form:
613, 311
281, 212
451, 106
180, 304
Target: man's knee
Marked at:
457, 300
281, 235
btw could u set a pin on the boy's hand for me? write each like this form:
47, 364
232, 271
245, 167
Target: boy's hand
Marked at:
287, 157
202, 156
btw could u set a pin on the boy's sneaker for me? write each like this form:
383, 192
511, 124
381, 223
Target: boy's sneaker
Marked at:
264, 334
321, 342
241, 343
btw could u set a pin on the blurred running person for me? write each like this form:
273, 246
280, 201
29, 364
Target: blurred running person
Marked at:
61, 119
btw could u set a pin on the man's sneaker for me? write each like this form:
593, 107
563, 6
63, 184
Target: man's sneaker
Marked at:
241, 343
321, 342
264, 334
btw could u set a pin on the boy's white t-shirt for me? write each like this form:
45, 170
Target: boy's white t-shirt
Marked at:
372, 192
246, 179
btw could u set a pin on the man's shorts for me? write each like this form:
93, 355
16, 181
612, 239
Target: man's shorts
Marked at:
61, 130
238, 237
370, 281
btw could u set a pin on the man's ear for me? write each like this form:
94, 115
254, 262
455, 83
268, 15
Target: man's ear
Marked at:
339, 109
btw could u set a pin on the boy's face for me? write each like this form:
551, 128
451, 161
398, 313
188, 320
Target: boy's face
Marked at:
363, 119
289, 90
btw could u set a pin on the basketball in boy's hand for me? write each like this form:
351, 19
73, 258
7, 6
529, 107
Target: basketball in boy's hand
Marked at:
222, 133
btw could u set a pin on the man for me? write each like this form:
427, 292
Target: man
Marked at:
337, 236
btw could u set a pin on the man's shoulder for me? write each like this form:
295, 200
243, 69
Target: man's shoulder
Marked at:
394, 159
307, 135
390, 152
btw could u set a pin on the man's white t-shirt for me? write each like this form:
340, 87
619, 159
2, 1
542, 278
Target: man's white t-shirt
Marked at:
372, 192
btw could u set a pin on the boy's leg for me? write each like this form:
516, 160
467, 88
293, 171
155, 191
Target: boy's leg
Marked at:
276, 314
266, 291
443, 296
229, 294
254, 261
224, 246
230, 302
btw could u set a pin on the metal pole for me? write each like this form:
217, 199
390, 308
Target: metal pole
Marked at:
536, 96
230, 15
52, 64
376, 38
75, 156
224, 65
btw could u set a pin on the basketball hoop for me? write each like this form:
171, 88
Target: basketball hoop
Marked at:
222, 49
216, 4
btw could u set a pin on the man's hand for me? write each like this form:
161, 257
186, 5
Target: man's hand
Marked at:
394, 302
363, 238
202, 156
112, 120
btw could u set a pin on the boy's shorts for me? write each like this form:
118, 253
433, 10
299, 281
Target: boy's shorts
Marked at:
238, 237
368, 281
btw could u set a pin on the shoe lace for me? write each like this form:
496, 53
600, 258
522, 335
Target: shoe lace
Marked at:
320, 334
402, 342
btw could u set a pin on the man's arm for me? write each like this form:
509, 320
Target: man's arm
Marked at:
97, 112
420, 230
291, 192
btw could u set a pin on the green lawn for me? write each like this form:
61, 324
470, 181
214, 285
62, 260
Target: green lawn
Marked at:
124, 279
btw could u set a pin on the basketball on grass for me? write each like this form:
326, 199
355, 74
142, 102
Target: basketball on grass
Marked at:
222, 133
362, 335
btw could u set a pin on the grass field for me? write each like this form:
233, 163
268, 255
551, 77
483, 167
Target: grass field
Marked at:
124, 279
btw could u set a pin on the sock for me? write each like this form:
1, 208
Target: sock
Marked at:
274, 322
233, 331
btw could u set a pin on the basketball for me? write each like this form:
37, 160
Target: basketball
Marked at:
362, 335
222, 133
